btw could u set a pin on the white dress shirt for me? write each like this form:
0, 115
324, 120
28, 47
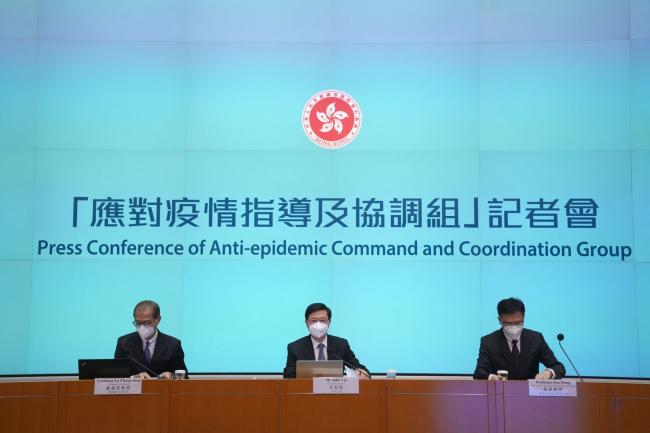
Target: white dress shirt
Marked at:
316, 343
152, 343
510, 342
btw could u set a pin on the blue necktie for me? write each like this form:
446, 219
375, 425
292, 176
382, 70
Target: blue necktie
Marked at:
147, 354
321, 355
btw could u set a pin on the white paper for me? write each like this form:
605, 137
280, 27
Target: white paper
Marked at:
552, 388
336, 385
118, 386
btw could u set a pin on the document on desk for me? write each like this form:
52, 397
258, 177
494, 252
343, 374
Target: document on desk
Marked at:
552, 388
117, 386
336, 385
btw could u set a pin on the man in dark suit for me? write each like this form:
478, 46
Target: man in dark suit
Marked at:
515, 349
162, 354
318, 345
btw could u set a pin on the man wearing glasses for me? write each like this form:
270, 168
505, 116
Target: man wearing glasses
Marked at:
515, 350
319, 346
151, 352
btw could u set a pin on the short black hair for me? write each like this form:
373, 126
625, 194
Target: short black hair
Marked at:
148, 304
318, 306
510, 306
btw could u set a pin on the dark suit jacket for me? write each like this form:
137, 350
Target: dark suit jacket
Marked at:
167, 356
303, 349
494, 354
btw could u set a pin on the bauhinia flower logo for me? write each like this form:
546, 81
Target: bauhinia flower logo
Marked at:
331, 119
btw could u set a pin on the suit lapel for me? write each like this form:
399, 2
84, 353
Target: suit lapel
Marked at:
160, 344
331, 347
136, 349
309, 349
505, 349
525, 344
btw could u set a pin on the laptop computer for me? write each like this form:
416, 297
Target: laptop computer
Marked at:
309, 369
94, 368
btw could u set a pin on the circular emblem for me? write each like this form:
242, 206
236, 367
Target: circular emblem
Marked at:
331, 119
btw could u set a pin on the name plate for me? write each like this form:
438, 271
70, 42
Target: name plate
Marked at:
552, 388
118, 386
336, 385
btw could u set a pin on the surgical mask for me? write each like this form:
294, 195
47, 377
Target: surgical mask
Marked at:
146, 332
318, 329
512, 331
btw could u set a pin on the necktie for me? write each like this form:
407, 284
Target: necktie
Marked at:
147, 354
321, 355
515, 354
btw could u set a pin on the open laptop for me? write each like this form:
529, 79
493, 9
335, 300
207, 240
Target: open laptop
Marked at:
308, 369
94, 368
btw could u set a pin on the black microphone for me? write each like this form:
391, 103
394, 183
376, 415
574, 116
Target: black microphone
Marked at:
560, 337
330, 354
145, 367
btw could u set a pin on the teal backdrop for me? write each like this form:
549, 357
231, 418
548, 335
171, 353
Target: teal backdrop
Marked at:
470, 101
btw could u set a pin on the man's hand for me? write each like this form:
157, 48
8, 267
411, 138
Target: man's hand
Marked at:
544, 375
363, 374
143, 375
497, 377
165, 375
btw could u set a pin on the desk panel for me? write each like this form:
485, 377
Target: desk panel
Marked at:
629, 408
233, 406
523, 414
83, 412
440, 406
27, 407
288, 406
365, 412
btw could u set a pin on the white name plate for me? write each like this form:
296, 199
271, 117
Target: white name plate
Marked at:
118, 386
336, 385
552, 388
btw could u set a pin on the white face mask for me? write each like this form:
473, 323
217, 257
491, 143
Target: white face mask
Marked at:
318, 329
146, 332
513, 332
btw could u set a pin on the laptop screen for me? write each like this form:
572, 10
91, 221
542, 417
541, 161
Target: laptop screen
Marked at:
307, 369
94, 368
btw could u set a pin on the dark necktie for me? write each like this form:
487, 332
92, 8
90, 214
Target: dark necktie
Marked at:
321, 355
515, 353
147, 354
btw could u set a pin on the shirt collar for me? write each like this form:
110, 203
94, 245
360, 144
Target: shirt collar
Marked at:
315, 342
152, 340
509, 340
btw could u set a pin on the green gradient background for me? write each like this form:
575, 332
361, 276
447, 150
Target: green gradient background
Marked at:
465, 98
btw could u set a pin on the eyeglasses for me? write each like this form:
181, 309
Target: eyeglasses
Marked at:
518, 323
314, 321
137, 323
